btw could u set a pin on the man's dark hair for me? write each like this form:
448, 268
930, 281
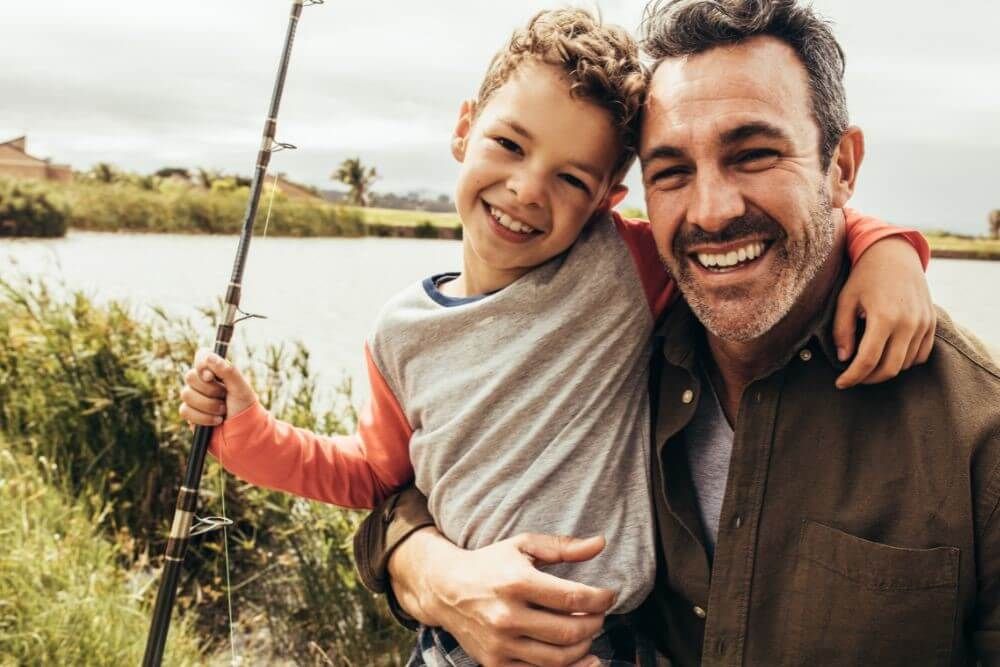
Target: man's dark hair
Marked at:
673, 28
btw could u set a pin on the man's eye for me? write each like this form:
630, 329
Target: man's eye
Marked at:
669, 177
508, 144
576, 182
756, 155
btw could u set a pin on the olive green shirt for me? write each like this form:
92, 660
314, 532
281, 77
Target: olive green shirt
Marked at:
858, 527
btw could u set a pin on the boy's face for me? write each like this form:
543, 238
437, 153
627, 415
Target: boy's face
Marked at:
536, 165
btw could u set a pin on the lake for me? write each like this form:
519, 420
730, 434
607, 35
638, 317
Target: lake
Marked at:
327, 292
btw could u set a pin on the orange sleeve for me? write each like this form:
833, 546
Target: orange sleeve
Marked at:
660, 288
864, 231
356, 471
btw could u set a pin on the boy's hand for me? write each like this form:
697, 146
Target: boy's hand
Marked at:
888, 288
213, 389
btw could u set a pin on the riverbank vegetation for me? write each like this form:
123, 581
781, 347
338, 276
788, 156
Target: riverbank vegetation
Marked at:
109, 201
88, 396
148, 204
960, 246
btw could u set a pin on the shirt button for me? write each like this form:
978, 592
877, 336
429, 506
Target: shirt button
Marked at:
738, 521
805, 355
699, 612
687, 396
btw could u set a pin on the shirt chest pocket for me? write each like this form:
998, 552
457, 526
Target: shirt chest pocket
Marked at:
857, 602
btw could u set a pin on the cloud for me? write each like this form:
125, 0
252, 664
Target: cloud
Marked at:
148, 84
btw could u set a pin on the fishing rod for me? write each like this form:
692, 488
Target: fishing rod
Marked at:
187, 496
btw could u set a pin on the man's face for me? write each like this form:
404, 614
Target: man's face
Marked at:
736, 194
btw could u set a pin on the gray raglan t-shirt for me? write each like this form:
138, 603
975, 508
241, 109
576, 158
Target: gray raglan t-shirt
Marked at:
529, 406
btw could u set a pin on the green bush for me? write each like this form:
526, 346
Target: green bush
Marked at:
28, 208
150, 205
94, 392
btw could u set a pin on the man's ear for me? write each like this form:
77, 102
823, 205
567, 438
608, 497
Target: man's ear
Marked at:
614, 197
845, 165
462, 128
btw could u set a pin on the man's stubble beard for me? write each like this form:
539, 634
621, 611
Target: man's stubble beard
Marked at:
736, 314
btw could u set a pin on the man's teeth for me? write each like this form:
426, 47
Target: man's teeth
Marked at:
747, 253
509, 222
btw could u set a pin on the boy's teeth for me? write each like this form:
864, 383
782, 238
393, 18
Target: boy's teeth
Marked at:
747, 253
509, 222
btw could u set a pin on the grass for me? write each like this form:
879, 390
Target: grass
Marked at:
397, 218
92, 393
962, 247
63, 598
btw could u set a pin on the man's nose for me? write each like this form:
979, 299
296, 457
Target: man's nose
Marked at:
716, 201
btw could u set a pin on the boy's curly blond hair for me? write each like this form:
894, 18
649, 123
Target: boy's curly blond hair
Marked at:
600, 61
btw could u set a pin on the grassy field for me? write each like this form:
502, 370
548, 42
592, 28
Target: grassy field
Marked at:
963, 247
398, 218
64, 600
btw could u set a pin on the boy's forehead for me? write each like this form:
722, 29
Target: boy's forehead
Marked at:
537, 103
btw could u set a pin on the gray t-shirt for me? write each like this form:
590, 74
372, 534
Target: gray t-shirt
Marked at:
529, 406
709, 448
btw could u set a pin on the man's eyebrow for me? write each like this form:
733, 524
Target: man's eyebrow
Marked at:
750, 130
662, 153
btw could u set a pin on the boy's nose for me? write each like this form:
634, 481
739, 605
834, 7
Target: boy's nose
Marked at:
528, 189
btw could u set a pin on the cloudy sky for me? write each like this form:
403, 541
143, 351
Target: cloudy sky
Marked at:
146, 84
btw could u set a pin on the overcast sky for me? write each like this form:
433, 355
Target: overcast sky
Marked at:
146, 84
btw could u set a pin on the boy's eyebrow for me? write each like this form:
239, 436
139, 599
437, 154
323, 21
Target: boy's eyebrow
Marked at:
595, 172
517, 127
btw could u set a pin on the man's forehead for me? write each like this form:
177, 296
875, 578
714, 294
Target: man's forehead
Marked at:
760, 77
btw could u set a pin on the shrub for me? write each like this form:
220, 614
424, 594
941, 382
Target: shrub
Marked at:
29, 209
95, 391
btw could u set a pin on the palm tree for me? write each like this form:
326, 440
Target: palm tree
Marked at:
357, 177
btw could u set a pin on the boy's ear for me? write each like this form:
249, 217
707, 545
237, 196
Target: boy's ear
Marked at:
458, 138
614, 197
844, 166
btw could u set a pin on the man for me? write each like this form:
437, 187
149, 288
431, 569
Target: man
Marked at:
798, 524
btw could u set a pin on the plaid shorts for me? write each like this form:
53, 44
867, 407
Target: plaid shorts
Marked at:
618, 646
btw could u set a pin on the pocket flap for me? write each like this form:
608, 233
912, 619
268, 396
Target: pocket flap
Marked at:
878, 566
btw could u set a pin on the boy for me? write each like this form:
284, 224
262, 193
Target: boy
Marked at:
514, 392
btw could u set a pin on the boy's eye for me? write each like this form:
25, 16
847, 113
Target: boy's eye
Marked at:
576, 182
507, 144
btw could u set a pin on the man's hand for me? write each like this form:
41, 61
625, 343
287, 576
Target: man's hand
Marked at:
496, 603
887, 287
213, 389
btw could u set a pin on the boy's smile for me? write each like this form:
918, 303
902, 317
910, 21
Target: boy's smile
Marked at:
536, 166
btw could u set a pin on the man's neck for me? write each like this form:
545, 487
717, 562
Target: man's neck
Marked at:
734, 365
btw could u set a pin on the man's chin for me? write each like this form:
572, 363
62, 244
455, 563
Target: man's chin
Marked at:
734, 316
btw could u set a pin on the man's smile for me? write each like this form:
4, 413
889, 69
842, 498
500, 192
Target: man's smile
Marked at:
731, 256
